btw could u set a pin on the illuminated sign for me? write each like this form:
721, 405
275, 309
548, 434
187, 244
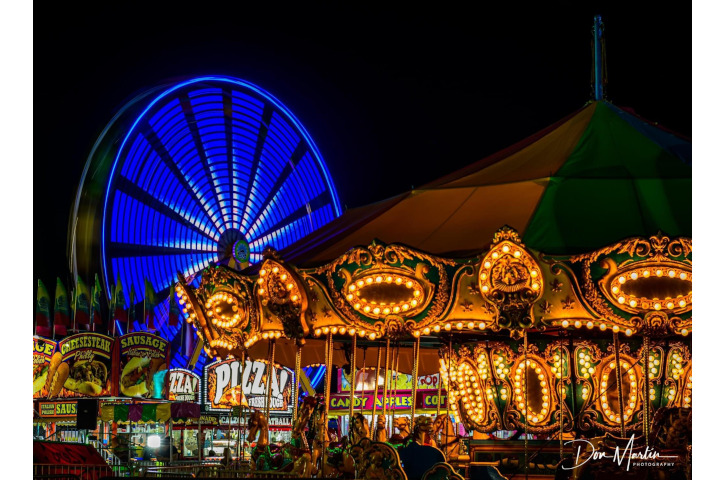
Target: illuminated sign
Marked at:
365, 381
184, 386
424, 399
226, 380
42, 352
143, 365
58, 409
87, 371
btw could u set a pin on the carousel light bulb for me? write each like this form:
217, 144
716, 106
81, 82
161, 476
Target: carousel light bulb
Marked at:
621, 299
295, 298
352, 332
633, 276
275, 269
565, 323
628, 332
260, 281
333, 330
484, 288
684, 332
261, 291
671, 274
590, 325
436, 328
357, 306
506, 249
426, 330
633, 303
615, 328
683, 276
658, 273
487, 264
372, 336
602, 327
447, 326
517, 253
325, 330
378, 279
577, 324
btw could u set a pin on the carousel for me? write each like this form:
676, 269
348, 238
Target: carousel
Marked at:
549, 286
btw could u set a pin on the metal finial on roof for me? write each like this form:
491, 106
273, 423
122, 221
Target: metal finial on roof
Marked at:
599, 64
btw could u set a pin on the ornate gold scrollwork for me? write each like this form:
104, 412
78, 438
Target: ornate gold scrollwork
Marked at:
221, 309
510, 278
376, 460
282, 293
388, 281
656, 278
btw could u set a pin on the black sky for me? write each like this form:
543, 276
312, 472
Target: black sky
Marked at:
393, 99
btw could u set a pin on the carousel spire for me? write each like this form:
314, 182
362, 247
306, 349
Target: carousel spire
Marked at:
599, 65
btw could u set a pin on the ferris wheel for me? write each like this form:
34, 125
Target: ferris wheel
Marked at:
211, 165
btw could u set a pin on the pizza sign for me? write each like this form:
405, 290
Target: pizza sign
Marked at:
229, 384
183, 386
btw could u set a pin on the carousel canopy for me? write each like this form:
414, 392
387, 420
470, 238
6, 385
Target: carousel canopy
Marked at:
598, 176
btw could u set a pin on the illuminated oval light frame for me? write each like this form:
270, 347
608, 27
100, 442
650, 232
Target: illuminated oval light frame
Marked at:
214, 311
631, 376
520, 395
614, 291
418, 300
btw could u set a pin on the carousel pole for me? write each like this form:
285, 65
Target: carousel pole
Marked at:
385, 383
572, 364
353, 359
618, 372
242, 362
440, 386
526, 410
328, 380
377, 375
296, 394
450, 383
394, 388
362, 388
645, 396
270, 372
561, 401
416, 358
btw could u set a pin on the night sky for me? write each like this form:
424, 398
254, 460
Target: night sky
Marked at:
393, 99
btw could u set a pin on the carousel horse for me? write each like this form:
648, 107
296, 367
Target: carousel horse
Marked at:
359, 428
303, 418
445, 436
321, 438
258, 425
403, 426
381, 433
422, 430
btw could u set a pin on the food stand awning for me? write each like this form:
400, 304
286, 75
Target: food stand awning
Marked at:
149, 412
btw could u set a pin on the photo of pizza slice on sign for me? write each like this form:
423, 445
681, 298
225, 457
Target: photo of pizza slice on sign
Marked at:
234, 397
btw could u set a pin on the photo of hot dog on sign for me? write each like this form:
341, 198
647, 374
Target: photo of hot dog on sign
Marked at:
42, 353
143, 365
81, 367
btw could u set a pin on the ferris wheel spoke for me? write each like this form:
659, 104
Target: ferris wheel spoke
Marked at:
282, 178
151, 137
120, 250
236, 220
132, 190
204, 158
261, 138
301, 220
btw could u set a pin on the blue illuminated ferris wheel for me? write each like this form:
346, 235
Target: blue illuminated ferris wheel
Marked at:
208, 164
